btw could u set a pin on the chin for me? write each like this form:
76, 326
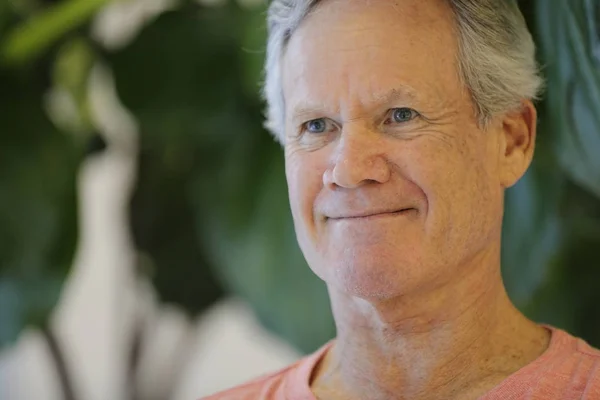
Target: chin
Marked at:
377, 270
370, 277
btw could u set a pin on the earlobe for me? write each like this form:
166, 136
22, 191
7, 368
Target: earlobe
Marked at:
519, 130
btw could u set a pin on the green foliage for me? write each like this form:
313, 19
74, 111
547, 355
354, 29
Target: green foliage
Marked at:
570, 50
37, 202
570, 41
41, 30
186, 121
210, 210
533, 231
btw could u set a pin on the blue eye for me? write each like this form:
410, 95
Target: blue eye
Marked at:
316, 126
401, 115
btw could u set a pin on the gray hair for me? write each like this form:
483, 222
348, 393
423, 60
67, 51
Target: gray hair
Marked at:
496, 56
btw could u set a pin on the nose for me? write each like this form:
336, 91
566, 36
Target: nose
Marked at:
359, 158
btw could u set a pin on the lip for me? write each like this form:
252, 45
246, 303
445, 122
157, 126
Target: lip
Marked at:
372, 216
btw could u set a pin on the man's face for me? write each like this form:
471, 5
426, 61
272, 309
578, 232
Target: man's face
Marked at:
393, 186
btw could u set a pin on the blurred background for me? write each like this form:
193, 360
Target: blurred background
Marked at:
146, 246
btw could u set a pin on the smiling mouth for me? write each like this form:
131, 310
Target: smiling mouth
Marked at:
374, 215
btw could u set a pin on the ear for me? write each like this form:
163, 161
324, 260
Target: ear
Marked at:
519, 130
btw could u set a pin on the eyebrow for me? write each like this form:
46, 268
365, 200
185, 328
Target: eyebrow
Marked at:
395, 95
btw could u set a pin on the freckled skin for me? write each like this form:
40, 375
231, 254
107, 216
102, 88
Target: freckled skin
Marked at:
402, 217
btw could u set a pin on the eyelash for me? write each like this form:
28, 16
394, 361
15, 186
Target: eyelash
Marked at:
390, 119
329, 123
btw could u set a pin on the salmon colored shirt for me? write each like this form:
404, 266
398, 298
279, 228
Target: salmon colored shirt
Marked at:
569, 369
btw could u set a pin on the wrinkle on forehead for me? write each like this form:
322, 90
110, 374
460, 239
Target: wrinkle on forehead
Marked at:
404, 46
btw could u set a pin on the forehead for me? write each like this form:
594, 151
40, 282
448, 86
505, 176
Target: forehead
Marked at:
354, 52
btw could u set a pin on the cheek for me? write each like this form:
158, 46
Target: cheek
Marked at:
305, 180
458, 185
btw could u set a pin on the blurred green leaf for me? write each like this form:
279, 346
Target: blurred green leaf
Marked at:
570, 53
188, 109
581, 262
72, 68
532, 235
37, 201
164, 230
73, 63
40, 31
180, 77
571, 299
253, 45
5, 14
571, 50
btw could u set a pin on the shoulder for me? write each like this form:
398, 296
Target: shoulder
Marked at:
587, 351
590, 368
578, 366
264, 387
578, 351
591, 357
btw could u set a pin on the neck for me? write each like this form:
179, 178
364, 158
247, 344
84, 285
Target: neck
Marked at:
463, 337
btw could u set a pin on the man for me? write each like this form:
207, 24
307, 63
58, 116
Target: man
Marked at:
403, 123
